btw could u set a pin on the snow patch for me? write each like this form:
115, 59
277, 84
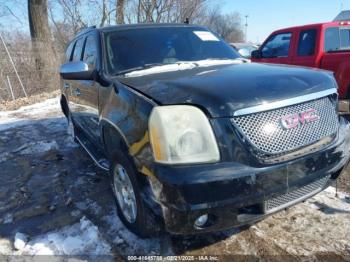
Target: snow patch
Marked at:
82, 238
20, 241
131, 243
37, 147
26, 114
185, 65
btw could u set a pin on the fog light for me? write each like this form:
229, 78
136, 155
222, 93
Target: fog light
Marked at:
201, 221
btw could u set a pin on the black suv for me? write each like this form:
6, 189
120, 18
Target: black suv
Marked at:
196, 138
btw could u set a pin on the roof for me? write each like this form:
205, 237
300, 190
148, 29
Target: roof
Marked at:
343, 16
144, 25
309, 25
132, 26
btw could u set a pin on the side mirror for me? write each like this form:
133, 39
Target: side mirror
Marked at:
256, 54
76, 71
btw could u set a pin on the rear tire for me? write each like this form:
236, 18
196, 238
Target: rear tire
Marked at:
140, 221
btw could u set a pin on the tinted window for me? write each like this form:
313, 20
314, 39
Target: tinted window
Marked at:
332, 39
307, 41
277, 46
90, 51
128, 49
77, 50
69, 51
345, 38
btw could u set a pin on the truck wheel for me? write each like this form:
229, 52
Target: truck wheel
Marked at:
131, 208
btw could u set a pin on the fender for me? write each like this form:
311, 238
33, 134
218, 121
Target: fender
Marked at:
126, 112
343, 78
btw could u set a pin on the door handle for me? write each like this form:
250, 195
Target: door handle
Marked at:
77, 92
66, 85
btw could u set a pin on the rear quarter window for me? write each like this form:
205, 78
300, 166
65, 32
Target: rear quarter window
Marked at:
337, 39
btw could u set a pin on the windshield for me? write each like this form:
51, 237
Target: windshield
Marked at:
135, 49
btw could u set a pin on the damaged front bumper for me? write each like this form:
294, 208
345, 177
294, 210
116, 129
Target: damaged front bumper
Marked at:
232, 194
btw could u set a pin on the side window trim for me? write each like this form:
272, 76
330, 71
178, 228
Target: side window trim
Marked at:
92, 36
71, 44
82, 48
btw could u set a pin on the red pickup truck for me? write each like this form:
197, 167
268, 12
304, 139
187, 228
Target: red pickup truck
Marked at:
325, 46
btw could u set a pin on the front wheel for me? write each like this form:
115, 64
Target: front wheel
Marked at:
131, 208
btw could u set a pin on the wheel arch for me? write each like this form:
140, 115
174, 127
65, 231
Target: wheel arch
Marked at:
64, 105
112, 138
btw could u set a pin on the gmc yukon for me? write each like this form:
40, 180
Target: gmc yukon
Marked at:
195, 138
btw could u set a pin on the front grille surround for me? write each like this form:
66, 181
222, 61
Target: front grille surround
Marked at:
284, 200
270, 147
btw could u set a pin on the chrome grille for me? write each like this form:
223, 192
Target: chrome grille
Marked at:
265, 132
294, 196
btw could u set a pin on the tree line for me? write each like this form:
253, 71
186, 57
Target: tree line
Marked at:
52, 23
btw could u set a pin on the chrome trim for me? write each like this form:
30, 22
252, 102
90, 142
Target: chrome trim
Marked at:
284, 103
91, 155
300, 199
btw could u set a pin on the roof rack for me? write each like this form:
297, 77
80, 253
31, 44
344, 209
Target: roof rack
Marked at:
85, 30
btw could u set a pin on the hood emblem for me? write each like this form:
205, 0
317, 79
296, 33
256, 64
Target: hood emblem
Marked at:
301, 118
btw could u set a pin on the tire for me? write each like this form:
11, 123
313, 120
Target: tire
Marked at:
143, 222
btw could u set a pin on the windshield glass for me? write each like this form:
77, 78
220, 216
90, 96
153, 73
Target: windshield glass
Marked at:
135, 49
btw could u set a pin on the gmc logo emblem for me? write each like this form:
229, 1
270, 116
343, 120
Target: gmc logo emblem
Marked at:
302, 118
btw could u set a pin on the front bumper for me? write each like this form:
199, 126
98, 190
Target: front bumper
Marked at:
234, 194
344, 107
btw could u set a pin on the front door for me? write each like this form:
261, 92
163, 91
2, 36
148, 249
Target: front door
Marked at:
86, 94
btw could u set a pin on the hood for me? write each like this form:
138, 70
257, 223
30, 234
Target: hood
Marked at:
224, 89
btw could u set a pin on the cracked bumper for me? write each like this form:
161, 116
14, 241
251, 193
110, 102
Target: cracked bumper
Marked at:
234, 194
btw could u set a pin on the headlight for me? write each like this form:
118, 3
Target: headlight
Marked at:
182, 134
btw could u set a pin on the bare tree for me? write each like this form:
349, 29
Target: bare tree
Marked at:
45, 57
120, 11
13, 12
164, 11
228, 26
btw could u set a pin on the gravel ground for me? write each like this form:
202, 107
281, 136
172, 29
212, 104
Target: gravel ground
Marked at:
52, 192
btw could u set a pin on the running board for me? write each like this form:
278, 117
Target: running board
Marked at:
98, 157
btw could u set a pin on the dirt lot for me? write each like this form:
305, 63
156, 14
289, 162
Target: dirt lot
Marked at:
54, 194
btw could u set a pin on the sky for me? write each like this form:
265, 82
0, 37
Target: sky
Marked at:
266, 16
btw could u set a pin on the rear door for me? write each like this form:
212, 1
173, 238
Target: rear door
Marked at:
306, 49
277, 48
336, 56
